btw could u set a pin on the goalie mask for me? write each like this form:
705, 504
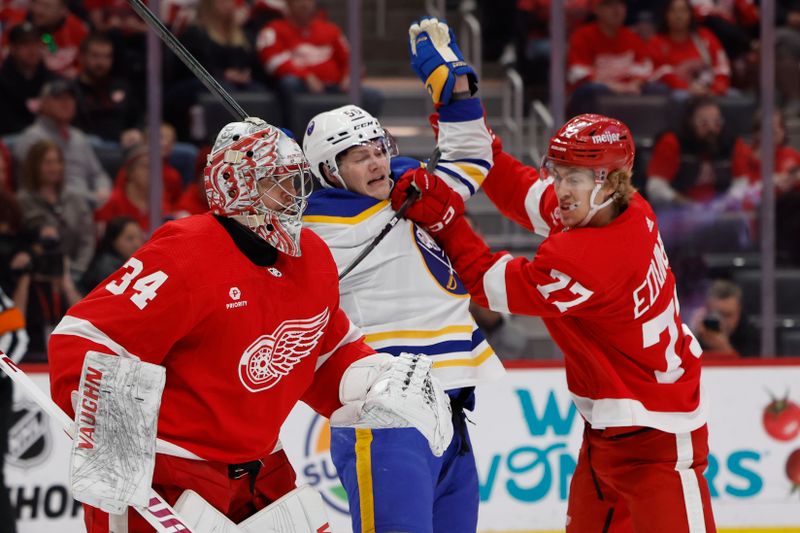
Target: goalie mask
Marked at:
258, 176
591, 145
331, 133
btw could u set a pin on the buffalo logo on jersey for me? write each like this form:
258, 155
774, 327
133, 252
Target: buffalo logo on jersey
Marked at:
273, 356
438, 264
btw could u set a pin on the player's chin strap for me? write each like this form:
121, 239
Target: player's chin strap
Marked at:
594, 208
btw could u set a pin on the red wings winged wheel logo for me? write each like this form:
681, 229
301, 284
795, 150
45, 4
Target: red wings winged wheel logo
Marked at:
273, 356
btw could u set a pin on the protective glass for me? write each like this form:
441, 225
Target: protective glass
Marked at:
385, 146
575, 178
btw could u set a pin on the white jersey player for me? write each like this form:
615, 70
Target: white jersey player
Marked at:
405, 296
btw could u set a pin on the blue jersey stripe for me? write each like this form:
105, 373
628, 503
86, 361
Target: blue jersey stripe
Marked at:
480, 162
466, 183
461, 110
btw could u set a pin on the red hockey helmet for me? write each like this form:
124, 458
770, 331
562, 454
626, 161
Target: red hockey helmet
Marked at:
253, 165
597, 142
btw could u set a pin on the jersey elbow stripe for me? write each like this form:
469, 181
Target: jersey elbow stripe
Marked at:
494, 285
84, 329
458, 178
533, 202
475, 173
480, 162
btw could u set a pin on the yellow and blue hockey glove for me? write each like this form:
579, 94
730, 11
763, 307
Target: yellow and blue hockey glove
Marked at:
436, 59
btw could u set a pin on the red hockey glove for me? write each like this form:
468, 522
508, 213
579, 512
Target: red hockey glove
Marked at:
438, 205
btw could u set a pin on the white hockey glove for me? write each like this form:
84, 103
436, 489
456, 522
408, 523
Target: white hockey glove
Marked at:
113, 454
400, 392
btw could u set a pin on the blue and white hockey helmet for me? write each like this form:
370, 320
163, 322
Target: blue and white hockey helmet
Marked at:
331, 133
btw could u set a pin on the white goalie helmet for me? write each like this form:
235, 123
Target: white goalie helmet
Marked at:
332, 132
257, 175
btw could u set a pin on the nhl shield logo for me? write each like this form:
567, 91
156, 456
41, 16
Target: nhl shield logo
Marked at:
29, 439
273, 356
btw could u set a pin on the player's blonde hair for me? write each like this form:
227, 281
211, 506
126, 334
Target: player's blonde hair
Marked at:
619, 181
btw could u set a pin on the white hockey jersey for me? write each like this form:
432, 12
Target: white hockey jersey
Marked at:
405, 295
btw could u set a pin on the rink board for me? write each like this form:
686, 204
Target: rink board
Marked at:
526, 436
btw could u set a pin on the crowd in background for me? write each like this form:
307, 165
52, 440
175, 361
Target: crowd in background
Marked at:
72, 91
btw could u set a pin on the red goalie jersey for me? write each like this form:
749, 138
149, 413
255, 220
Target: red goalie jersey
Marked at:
241, 343
607, 296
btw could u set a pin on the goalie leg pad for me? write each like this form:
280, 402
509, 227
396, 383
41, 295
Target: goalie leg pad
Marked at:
113, 454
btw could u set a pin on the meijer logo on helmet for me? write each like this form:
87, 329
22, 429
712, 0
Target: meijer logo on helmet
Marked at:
605, 138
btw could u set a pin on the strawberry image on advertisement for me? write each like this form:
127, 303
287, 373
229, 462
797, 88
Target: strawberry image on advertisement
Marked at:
781, 419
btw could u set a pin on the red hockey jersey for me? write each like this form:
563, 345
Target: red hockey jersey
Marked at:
319, 49
594, 56
607, 296
699, 59
241, 343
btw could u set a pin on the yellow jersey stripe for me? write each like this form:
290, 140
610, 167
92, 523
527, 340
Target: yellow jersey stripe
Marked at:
326, 219
474, 172
486, 354
417, 334
364, 475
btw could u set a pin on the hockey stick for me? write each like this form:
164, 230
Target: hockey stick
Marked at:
158, 512
188, 59
236, 110
413, 194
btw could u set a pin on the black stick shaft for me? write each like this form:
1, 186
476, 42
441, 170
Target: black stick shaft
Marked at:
413, 194
188, 59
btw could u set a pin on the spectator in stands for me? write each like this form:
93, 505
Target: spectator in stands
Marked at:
193, 201
719, 325
45, 200
61, 33
7, 181
786, 175
13, 343
113, 16
694, 165
106, 104
218, 41
130, 196
787, 56
44, 289
688, 59
734, 22
57, 109
607, 58
786, 179
532, 35
21, 78
309, 54
122, 237
10, 227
